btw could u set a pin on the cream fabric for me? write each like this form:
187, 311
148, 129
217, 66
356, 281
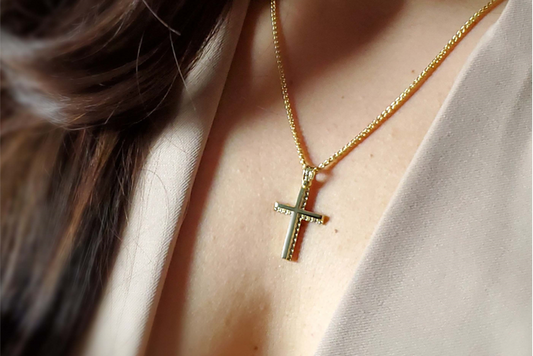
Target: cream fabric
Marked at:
448, 269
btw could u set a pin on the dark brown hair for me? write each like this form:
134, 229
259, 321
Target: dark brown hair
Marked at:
86, 87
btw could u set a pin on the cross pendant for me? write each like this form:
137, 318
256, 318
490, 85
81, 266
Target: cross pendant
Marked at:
298, 213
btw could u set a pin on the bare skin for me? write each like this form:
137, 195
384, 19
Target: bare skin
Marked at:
227, 291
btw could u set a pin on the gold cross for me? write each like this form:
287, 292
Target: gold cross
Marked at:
298, 213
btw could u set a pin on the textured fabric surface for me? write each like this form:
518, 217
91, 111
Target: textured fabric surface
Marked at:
448, 269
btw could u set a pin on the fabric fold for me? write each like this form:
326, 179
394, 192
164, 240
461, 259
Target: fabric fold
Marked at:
448, 269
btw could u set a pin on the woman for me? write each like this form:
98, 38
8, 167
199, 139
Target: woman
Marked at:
109, 250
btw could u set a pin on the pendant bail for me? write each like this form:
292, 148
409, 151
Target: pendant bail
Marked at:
308, 176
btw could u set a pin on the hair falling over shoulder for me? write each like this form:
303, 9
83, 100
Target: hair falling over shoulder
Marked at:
86, 87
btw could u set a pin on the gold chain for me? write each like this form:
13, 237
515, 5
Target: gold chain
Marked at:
391, 109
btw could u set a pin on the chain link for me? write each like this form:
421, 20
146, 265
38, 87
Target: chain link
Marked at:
389, 110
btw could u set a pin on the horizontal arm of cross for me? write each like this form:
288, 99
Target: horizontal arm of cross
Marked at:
307, 215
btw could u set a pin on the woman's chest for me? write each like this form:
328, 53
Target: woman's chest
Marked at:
234, 291
228, 292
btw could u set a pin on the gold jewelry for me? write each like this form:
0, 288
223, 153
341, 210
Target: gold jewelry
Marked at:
298, 212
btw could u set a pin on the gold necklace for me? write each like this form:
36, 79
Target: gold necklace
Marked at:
298, 212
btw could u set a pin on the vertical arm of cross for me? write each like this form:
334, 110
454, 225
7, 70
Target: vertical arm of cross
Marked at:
297, 214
